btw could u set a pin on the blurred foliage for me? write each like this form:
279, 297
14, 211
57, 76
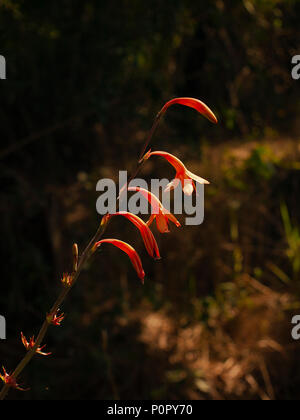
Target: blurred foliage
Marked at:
85, 80
293, 240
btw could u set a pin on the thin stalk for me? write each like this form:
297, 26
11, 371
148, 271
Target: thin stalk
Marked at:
151, 133
61, 298
66, 290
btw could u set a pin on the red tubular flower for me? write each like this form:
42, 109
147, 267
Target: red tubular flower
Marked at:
10, 381
162, 215
147, 235
30, 345
130, 251
183, 175
198, 105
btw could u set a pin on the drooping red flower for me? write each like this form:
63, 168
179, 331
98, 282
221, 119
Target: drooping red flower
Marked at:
130, 251
183, 175
198, 105
147, 235
10, 381
29, 345
159, 213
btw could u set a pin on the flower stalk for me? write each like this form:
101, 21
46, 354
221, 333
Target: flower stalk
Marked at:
162, 216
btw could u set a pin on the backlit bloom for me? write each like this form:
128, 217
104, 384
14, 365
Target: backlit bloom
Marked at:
147, 235
183, 175
198, 105
30, 345
10, 381
159, 213
130, 251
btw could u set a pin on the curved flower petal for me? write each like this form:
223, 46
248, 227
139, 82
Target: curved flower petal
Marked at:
172, 218
182, 173
172, 185
130, 251
198, 105
162, 216
173, 160
151, 220
162, 224
197, 178
153, 200
147, 235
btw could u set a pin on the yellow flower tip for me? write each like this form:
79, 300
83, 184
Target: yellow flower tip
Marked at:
95, 247
145, 157
105, 219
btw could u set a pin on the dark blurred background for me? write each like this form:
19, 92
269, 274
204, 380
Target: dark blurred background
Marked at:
84, 82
